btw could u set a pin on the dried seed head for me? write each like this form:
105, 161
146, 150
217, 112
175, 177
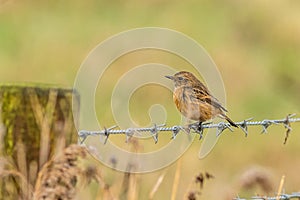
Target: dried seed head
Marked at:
59, 176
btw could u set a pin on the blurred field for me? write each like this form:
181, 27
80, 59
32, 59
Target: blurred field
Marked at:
255, 44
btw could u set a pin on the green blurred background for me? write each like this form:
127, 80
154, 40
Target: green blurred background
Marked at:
255, 44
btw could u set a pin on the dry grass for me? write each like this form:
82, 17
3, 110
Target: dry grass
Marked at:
156, 186
255, 180
256, 176
280, 187
62, 176
12, 179
197, 185
176, 180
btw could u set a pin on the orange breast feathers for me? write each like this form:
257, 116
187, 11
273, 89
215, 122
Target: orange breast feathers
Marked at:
191, 108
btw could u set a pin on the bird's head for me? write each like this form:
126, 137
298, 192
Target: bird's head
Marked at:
183, 78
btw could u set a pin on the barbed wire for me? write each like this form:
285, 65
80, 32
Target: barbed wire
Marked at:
295, 195
195, 127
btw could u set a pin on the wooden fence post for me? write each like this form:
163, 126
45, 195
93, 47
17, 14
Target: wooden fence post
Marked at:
36, 123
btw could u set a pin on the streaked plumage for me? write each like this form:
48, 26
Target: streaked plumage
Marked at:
193, 99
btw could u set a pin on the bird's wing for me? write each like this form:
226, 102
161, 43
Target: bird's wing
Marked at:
202, 95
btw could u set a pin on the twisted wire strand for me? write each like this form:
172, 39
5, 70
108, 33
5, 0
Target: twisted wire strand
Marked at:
280, 197
220, 127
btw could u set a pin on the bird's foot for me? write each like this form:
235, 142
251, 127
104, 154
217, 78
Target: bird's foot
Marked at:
198, 127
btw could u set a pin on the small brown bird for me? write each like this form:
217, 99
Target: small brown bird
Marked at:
193, 99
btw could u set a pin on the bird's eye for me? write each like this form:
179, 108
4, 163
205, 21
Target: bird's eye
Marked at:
180, 78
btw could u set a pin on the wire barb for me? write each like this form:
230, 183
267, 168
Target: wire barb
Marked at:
107, 132
222, 127
244, 126
288, 127
129, 133
195, 127
154, 132
175, 130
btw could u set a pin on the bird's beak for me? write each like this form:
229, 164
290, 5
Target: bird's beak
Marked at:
170, 77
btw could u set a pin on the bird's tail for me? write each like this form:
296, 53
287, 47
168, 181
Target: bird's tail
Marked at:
229, 120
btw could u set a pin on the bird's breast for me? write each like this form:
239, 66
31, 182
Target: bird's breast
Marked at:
191, 108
